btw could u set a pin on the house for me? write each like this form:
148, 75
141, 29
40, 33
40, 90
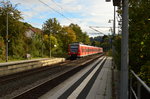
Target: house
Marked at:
31, 32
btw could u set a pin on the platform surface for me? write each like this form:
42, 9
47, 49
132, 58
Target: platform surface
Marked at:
100, 89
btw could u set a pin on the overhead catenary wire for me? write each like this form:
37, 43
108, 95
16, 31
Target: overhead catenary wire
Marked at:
72, 21
96, 30
55, 10
57, 4
64, 15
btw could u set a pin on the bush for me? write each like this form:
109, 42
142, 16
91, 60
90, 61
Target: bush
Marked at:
145, 73
117, 53
59, 53
2, 49
109, 53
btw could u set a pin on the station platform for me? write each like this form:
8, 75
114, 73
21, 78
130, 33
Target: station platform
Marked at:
92, 87
8, 68
22, 61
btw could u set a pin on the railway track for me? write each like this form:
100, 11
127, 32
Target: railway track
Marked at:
68, 67
15, 76
41, 89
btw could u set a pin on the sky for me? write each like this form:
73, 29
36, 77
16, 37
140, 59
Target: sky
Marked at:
85, 13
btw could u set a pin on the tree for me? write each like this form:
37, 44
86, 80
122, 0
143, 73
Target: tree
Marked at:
2, 49
51, 26
16, 28
36, 46
117, 52
6, 8
54, 43
96, 41
145, 72
51, 30
86, 39
139, 33
106, 43
68, 36
78, 32
80, 36
63, 35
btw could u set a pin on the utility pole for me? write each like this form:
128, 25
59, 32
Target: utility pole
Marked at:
113, 36
42, 43
124, 49
114, 22
124, 52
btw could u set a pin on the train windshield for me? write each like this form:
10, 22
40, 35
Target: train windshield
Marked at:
74, 48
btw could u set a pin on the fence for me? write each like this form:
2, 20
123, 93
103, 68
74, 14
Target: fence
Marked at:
138, 89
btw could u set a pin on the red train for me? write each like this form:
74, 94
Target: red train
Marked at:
80, 50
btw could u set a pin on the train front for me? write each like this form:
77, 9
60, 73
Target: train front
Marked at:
73, 50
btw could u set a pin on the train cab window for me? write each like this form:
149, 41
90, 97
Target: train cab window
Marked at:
74, 48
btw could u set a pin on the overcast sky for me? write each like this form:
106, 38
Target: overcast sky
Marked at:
85, 13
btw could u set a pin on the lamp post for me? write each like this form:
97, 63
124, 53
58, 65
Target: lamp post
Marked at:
114, 22
42, 39
7, 37
113, 34
50, 46
42, 43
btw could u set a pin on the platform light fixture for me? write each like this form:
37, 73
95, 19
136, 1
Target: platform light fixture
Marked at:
116, 2
108, 0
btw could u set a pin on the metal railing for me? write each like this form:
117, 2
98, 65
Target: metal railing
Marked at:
138, 89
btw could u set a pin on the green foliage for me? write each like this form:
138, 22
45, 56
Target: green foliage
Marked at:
7, 9
67, 36
2, 49
20, 42
109, 53
86, 39
15, 28
139, 39
80, 36
63, 35
61, 38
117, 53
106, 44
54, 43
36, 45
50, 43
139, 33
16, 49
145, 73
51, 26
96, 43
